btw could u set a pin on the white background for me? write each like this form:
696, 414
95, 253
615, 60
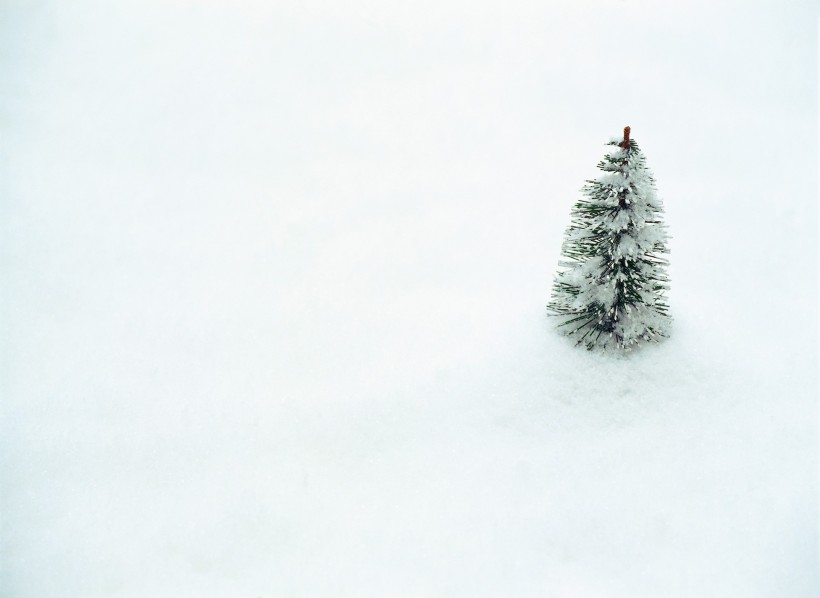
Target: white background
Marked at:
273, 289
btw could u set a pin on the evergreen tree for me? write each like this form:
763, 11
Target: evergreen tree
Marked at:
610, 288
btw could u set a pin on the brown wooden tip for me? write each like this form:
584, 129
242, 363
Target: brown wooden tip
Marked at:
625, 144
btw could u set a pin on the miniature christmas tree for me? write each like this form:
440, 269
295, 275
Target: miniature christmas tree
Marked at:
609, 290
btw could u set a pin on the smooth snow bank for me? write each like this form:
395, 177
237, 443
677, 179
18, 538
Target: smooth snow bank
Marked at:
274, 285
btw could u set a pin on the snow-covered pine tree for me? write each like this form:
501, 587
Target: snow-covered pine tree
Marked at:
610, 288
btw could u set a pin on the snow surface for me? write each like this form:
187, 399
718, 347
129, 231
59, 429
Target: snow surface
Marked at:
274, 278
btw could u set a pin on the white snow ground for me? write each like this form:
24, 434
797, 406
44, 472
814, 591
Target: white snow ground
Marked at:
274, 278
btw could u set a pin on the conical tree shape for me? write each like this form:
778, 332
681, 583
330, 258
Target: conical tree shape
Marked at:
610, 289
